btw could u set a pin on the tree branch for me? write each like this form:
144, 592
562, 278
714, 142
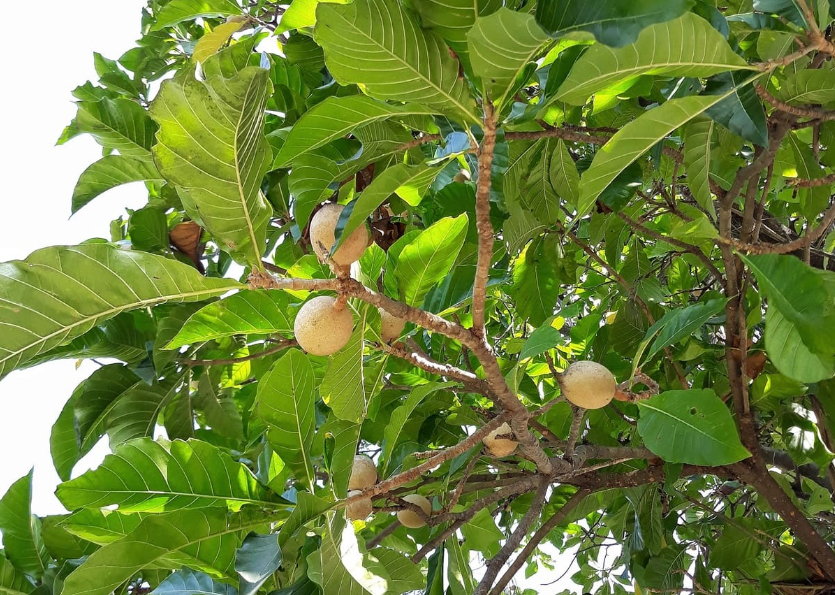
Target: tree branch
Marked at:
537, 538
279, 346
482, 218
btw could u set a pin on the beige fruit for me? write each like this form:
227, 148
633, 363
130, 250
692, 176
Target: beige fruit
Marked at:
500, 447
390, 326
588, 385
411, 519
320, 328
322, 236
237, 18
359, 510
363, 473
462, 176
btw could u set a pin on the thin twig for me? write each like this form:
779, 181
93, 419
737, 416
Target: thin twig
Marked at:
279, 346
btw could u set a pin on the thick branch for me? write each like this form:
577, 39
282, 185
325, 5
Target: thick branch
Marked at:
482, 218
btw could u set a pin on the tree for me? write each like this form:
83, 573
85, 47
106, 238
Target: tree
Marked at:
646, 185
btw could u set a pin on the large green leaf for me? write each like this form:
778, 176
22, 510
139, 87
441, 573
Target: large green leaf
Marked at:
211, 144
101, 526
178, 11
687, 46
190, 582
790, 355
110, 172
501, 47
735, 546
409, 182
397, 421
147, 476
808, 86
612, 23
334, 118
741, 110
428, 258
690, 426
697, 145
207, 538
308, 507
638, 137
219, 410
285, 402
256, 561
119, 124
538, 192
22, 530
378, 44
535, 284
58, 294
301, 14
249, 312
345, 435
13, 582
803, 295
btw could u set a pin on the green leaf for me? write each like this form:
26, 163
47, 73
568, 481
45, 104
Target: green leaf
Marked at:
108, 173
410, 182
697, 150
734, 547
101, 526
22, 530
147, 476
308, 507
341, 567
690, 426
459, 573
612, 23
345, 438
453, 19
377, 44
813, 200
190, 582
679, 323
687, 46
638, 137
178, 11
535, 285
285, 402
501, 47
206, 538
665, 571
301, 14
58, 294
13, 582
482, 535
148, 230
803, 295
334, 118
400, 416
214, 40
541, 340
808, 86
741, 111
563, 174
787, 350
211, 144
119, 124
404, 575
220, 411
351, 379
250, 312
428, 258
257, 559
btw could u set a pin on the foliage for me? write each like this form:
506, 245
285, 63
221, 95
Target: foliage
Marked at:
644, 184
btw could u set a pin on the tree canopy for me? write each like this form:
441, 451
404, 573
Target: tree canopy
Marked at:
528, 186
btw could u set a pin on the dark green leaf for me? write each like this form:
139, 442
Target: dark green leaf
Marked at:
22, 530
257, 559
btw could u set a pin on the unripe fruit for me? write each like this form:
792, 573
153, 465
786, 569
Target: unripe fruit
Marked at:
320, 328
411, 519
363, 473
322, 236
390, 326
588, 385
500, 447
359, 510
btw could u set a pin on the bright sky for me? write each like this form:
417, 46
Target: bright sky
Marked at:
39, 178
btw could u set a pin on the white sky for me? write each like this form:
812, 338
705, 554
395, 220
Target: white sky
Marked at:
39, 178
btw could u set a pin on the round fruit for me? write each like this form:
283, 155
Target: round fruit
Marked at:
363, 473
322, 236
588, 385
411, 519
359, 510
500, 447
320, 328
390, 326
